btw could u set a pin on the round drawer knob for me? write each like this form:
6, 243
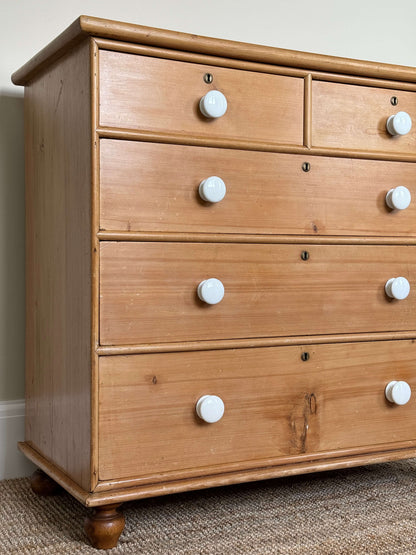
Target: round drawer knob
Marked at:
398, 198
212, 189
213, 104
398, 392
397, 288
210, 408
211, 291
399, 124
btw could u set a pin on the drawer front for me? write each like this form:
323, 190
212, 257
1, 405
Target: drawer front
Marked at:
139, 92
276, 406
149, 291
155, 187
354, 117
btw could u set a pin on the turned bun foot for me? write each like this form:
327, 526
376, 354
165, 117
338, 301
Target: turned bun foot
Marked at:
104, 526
42, 484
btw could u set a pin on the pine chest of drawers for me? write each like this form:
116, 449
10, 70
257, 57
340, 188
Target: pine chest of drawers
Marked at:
221, 246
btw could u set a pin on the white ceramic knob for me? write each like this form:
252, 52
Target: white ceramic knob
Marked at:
212, 189
398, 392
397, 288
210, 408
399, 124
213, 104
398, 198
211, 291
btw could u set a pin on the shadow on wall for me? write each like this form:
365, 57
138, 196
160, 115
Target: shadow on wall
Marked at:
12, 241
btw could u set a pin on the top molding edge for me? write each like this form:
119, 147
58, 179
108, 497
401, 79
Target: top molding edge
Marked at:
86, 26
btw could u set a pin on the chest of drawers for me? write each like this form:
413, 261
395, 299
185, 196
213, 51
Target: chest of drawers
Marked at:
221, 271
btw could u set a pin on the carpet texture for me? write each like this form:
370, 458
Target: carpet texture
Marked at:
367, 510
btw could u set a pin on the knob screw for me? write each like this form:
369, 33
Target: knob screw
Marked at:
208, 78
394, 100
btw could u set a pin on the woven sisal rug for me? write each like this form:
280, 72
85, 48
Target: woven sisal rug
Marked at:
368, 510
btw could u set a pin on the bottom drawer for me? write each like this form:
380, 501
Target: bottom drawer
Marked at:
277, 406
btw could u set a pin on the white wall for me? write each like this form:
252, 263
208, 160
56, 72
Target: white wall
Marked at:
379, 30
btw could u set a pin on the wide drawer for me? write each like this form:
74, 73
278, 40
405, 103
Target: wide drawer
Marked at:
140, 92
149, 290
276, 407
354, 117
155, 187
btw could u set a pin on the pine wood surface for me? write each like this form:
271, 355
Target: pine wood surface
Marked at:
350, 116
254, 238
307, 112
85, 26
253, 470
118, 491
154, 187
218, 344
250, 145
41, 484
95, 255
276, 69
275, 405
148, 291
58, 265
162, 94
104, 526
118, 241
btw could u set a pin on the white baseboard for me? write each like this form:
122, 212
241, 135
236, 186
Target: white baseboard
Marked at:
12, 429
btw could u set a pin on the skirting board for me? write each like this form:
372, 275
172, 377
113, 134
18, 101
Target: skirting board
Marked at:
12, 429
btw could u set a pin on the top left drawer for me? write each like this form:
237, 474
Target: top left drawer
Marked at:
154, 94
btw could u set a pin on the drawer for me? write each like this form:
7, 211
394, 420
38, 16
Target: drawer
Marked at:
354, 117
149, 290
276, 407
155, 187
153, 94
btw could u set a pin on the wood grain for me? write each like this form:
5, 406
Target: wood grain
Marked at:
233, 469
154, 187
118, 240
41, 484
159, 94
95, 256
129, 32
58, 264
127, 490
104, 527
249, 144
349, 116
275, 405
217, 344
307, 119
169, 54
148, 291
254, 238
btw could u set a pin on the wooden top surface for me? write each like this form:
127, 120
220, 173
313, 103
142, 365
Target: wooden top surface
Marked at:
86, 26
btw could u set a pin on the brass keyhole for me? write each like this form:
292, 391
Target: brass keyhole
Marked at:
394, 100
208, 78
306, 166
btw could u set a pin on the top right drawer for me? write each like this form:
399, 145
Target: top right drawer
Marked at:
354, 117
